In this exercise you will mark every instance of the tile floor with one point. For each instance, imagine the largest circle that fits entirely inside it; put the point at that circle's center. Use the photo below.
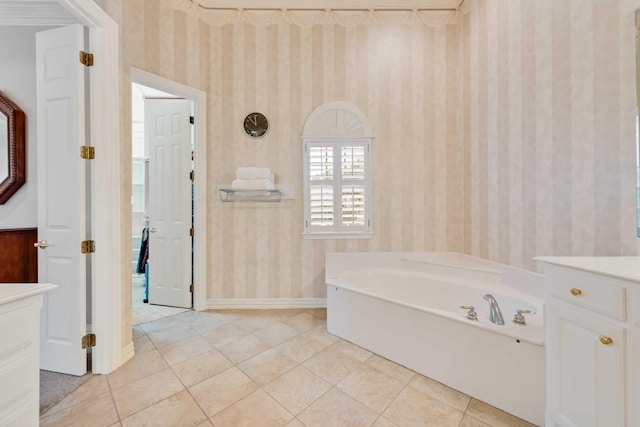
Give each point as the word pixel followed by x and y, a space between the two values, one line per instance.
pixel 262 368
pixel 142 312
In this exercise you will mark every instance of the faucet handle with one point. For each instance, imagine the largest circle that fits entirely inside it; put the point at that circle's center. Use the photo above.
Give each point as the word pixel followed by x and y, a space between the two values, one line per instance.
pixel 519 319
pixel 471 314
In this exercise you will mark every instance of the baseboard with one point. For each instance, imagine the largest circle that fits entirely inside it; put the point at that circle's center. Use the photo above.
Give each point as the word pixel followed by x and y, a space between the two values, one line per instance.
pixel 266 303
pixel 127 353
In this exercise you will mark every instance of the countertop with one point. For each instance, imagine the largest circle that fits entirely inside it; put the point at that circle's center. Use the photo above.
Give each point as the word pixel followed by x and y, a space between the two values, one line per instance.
pixel 10 292
pixel 621 267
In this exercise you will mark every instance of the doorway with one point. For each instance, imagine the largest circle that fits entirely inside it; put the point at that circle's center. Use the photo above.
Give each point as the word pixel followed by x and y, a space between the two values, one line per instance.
pixel 153 88
pixel 162 161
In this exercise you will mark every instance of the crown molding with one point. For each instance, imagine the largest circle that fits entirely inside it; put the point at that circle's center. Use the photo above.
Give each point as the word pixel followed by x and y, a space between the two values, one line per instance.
pixel 34 13
pixel 329 4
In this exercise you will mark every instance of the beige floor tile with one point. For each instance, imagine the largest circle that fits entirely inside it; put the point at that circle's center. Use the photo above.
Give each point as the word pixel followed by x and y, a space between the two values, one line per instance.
pixel 138 331
pixel 301 347
pixel 494 416
pixel 331 365
pixel 319 333
pixel 276 333
pixel 337 409
pixel 253 324
pixel 266 366
pixel 294 423
pixel 469 421
pixel 297 389
pixel 179 410
pixel 145 392
pixel 162 324
pixel 244 348
pixel 175 333
pixel 206 424
pixel 201 367
pixel 96 412
pixel 256 410
pixel 320 313
pixel 414 408
pixel 185 349
pixel 118 424
pixel 222 390
pixel 441 392
pixel 95 386
pixel 383 422
pixel 371 387
pixel 140 366
pixel 303 322
pixel 224 335
pixel 206 322
pixel 390 368
pixel 352 350
pixel 143 343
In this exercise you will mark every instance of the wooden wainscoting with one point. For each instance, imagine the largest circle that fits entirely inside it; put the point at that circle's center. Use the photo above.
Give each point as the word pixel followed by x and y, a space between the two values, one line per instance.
pixel 18 257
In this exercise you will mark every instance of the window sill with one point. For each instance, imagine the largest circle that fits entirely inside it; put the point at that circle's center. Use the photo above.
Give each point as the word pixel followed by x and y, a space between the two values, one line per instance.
pixel 312 236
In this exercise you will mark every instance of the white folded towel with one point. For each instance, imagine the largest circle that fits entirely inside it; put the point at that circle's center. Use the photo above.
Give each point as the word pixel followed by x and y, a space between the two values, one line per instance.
pixel 254 173
pixel 252 184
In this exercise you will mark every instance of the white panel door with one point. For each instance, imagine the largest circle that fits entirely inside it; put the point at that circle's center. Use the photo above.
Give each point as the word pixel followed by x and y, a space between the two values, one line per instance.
pixel 168 133
pixel 61 198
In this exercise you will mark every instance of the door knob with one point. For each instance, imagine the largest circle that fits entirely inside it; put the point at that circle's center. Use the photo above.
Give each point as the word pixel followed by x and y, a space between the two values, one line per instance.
pixel 42 244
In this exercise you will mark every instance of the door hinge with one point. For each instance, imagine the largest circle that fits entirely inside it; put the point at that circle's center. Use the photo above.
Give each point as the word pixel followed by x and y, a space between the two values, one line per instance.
pixel 191 288
pixel 86 58
pixel 192 175
pixel 87 246
pixel 87 152
pixel 192 119
pixel 191 232
pixel 89 340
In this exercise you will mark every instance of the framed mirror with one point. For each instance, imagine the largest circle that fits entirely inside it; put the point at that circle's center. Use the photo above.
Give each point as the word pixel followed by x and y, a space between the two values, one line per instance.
pixel 12 149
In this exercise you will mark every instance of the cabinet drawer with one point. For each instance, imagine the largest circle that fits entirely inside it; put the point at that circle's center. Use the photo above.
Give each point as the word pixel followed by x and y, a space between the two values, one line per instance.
pixel 602 294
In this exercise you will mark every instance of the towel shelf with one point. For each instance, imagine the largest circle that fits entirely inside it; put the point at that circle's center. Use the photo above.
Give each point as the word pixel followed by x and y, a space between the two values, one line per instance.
pixel 229 195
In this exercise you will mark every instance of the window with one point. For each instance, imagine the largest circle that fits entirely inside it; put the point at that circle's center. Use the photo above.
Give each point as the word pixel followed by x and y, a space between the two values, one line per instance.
pixel 336 173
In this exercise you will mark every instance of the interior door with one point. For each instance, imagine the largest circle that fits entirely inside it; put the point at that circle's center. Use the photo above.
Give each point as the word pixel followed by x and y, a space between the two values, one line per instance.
pixel 168 133
pixel 61 198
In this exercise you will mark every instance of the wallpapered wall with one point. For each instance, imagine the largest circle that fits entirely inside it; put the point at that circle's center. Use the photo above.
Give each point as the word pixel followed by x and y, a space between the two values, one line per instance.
pixel 405 79
pixel 549 128
pixel 508 135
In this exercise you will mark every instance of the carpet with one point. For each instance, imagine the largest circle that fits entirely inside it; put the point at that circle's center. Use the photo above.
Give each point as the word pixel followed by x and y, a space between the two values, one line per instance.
pixel 55 386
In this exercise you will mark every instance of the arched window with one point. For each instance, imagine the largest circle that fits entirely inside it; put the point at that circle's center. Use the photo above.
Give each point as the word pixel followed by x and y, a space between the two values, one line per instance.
pixel 337 194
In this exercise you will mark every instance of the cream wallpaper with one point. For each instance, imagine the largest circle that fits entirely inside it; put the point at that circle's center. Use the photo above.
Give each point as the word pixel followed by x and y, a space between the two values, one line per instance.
pixel 507 135
pixel 403 75
pixel 548 129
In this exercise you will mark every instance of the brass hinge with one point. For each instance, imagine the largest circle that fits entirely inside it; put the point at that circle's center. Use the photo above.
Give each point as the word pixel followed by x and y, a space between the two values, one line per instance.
pixel 86 58
pixel 192 175
pixel 87 246
pixel 87 152
pixel 191 288
pixel 191 232
pixel 89 340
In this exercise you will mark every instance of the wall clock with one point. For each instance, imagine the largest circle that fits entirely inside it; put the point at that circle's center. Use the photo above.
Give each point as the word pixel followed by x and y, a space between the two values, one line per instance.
pixel 256 125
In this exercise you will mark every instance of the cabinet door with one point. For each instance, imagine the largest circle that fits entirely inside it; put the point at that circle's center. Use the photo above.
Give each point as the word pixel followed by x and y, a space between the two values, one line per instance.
pixel 585 373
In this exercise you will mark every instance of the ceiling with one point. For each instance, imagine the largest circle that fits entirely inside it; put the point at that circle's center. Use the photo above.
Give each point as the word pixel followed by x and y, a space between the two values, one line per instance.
pixel 34 12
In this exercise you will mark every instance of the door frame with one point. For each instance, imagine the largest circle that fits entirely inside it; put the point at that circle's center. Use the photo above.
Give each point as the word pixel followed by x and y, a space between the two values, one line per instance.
pixel 199 98
pixel 107 314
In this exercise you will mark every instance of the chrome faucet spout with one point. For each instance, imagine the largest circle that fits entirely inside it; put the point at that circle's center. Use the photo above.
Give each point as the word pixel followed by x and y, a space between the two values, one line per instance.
pixel 495 315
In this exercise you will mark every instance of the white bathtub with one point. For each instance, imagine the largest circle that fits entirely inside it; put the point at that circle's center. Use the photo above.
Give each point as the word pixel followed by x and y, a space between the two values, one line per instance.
pixel 414 318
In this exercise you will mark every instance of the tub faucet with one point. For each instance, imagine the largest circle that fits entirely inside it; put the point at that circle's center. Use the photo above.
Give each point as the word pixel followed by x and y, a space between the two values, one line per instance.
pixel 494 310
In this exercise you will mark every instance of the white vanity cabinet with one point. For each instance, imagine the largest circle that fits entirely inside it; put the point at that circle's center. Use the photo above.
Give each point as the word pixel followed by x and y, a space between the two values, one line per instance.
pixel 19 353
pixel 592 333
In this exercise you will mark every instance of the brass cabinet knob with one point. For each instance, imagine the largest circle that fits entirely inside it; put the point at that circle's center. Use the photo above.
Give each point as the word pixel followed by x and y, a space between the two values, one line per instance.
pixel 576 292
pixel 606 340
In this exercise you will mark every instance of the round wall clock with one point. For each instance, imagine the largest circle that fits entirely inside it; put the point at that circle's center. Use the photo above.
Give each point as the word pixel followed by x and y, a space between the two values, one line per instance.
pixel 256 125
